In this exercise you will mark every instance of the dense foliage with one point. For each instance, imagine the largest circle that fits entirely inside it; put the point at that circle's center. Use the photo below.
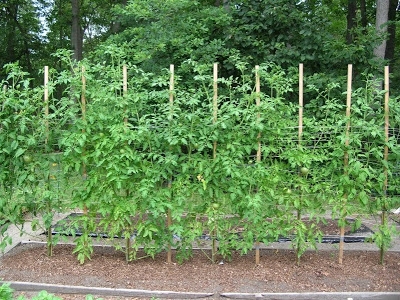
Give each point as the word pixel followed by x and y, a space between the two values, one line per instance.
pixel 132 159
pixel 324 35
pixel 255 32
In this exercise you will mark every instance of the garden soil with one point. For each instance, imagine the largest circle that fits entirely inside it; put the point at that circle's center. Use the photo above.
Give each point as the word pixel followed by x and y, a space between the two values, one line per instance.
pixel 318 271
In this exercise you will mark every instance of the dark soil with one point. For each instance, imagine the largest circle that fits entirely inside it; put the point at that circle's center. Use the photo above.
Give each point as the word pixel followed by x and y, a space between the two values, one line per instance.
pixel 277 272
pixel 319 271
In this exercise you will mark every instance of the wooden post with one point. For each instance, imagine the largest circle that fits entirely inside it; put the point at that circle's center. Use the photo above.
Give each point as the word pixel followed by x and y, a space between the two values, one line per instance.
pixel 46 101
pixel 300 136
pixel 125 89
pixel 385 155
pixel 301 76
pixel 171 106
pixel 171 89
pixel 386 150
pixel 215 103
pixel 83 108
pixel 46 121
pixel 124 95
pixel 258 103
pixel 346 157
pixel 258 157
pixel 83 94
pixel 215 114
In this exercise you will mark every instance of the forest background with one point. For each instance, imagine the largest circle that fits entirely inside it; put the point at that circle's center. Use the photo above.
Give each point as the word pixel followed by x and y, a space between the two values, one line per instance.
pixel 324 35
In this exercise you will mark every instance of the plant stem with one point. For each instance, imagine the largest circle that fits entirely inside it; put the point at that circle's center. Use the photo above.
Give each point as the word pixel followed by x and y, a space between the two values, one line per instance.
pixel 128 249
pixel 49 242
pixel 382 246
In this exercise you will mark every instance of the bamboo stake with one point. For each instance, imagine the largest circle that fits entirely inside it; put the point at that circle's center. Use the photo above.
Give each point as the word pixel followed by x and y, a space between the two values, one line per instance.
pixel 215 104
pixel 2 106
pixel 83 108
pixel 46 120
pixel 300 133
pixel 346 157
pixel 301 79
pixel 258 103
pixel 215 114
pixel 125 89
pixel 125 94
pixel 46 101
pixel 385 155
pixel 171 105
pixel 258 157
pixel 171 89
pixel 83 94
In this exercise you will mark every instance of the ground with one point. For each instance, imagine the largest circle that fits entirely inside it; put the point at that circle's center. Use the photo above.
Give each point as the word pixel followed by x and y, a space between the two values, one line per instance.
pixel 277 272
pixel 319 271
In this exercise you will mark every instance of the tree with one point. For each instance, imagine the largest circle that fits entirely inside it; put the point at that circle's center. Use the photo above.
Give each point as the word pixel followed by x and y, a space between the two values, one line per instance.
pixel 391 42
pixel 20 30
pixel 156 33
pixel 76 31
pixel 91 21
pixel 385 12
pixel 115 23
pixel 72 22
pixel 58 20
pixel 382 17
pixel 351 20
pixel 322 34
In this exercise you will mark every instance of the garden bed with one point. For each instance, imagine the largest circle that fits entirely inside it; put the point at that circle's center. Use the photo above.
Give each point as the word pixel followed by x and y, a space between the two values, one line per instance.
pixel 329 229
pixel 277 272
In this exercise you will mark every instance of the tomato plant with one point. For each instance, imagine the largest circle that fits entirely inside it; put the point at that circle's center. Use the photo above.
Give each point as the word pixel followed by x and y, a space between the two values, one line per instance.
pixel 167 168
pixel 24 157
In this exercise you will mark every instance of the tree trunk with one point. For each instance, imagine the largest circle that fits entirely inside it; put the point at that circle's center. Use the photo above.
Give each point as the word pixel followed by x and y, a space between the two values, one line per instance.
pixel 363 11
pixel 10 43
pixel 351 20
pixel 391 42
pixel 76 31
pixel 382 17
pixel 25 49
pixel 225 4
pixel 116 25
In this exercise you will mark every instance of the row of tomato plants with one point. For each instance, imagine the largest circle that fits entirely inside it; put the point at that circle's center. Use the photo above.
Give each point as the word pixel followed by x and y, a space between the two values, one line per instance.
pixel 162 174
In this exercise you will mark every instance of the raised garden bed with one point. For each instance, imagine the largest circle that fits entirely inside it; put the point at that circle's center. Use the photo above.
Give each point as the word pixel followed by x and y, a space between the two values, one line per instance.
pixel 277 272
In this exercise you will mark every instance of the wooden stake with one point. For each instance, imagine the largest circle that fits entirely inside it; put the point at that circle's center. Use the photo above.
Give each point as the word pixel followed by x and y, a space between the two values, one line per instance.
pixel 301 76
pixel 215 103
pixel 386 149
pixel 124 95
pixel 83 94
pixel 46 120
pixel 385 155
pixel 346 156
pixel 171 104
pixel 258 103
pixel 171 89
pixel 258 157
pixel 83 108
pixel 300 136
pixel 215 114
pixel 125 89
pixel 46 101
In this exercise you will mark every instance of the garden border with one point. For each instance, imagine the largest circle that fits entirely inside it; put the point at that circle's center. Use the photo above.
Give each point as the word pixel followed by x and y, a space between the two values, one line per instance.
pixel 67 289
